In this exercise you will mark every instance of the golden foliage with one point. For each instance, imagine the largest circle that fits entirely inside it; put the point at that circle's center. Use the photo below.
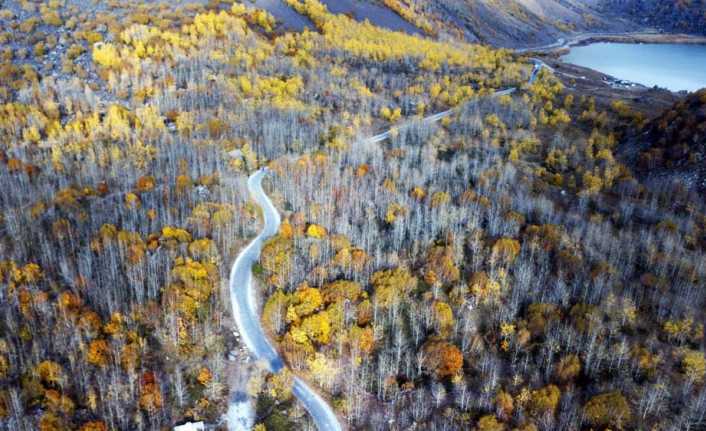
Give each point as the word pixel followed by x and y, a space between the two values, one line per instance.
pixel 130 356
pixel 390 115
pixel 504 404
pixel 392 285
pixel 94 426
pixel 538 315
pixel 175 234
pixel 406 11
pixel 394 211
pixel 506 250
pixel 50 373
pixel 443 317
pixel 440 260
pixel 490 423
pixel 51 422
pixel 317 327
pixel 568 367
pixel 341 290
pixel 275 258
pixel 418 193
pixel 98 353
pixel 694 365
pixel 4 410
pixel 274 309
pixel 106 55
pixel 305 301
pixel 368 41
pixel 323 369
pixel 150 393
pixel 4 366
pixel 609 409
pixel 585 317
pixel 681 329
pixel 439 199
pixel 204 376
pixel 316 231
pixel 90 322
pixel 195 282
pixel 58 402
pixel 115 325
pixel 286 230
pixel 280 385
pixel 362 339
pixel 132 201
pixel 483 287
pixel 203 249
pixel 544 400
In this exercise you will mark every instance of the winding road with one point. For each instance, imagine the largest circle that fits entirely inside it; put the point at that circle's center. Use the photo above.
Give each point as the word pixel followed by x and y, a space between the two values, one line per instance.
pixel 244 296
pixel 439 116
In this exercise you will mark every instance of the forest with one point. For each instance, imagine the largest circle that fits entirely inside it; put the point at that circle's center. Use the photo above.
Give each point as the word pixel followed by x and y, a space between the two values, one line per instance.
pixel 502 269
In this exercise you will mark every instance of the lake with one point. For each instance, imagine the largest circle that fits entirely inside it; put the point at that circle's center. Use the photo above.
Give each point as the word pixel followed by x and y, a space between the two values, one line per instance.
pixel 673 66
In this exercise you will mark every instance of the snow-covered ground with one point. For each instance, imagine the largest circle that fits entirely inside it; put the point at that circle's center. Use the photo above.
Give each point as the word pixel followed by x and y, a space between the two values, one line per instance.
pixel 191 426
pixel 241 414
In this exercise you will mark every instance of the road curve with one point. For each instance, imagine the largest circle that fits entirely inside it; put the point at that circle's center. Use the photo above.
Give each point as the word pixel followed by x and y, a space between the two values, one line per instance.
pixel 242 289
pixel 318 408
pixel 244 302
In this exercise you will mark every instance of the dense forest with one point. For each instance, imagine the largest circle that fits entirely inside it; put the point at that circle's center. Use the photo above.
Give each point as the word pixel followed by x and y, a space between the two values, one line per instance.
pixel 504 268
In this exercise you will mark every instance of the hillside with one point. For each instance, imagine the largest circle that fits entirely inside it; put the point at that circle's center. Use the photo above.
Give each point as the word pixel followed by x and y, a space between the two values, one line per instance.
pixel 510 23
pixel 669 15
pixel 672 147
pixel 519 23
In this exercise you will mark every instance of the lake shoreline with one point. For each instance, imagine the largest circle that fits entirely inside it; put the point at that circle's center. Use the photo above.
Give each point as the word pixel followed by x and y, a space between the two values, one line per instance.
pixel 640 38
pixel 562 45
pixel 674 66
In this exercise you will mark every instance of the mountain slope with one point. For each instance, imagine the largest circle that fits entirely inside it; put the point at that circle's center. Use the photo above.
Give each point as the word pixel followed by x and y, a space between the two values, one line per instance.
pixel 687 16
pixel 519 22
pixel 673 145
pixel 509 23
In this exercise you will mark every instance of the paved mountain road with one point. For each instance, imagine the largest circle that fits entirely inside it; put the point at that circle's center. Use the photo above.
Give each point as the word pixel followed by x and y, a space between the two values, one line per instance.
pixel 436 117
pixel 244 302
pixel 242 290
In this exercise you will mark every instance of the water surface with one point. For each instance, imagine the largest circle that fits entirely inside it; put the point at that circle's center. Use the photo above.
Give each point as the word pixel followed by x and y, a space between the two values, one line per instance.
pixel 673 66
